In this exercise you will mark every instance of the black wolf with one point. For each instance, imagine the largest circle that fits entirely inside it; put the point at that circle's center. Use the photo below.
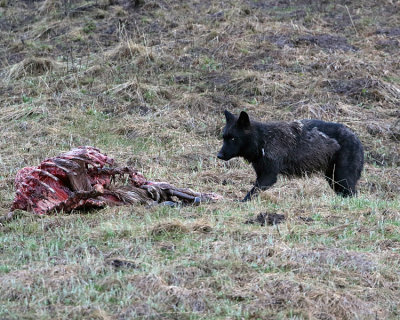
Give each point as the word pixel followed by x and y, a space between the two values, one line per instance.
pixel 294 149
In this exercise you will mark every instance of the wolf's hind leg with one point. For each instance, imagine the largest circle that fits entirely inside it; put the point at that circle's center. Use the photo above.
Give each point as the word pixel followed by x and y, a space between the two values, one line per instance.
pixel 342 180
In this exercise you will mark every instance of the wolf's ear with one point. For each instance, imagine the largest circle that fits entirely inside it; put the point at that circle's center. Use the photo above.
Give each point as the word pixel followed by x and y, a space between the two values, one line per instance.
pixel 244 120
pixel 229 116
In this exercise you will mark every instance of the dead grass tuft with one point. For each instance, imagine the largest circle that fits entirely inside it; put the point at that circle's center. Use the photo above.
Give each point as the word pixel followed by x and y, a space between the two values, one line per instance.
pixel 99 314
pixel 329 111
pixel 50 6
pixel 182 275
pixel 171 228
pixel 32 67
pixel 365 88
pixel 158 291
pixel 95 71
pixel 288 297
pixel 341 306
pixel 202 227
pixel 357 261
pixel 55 277
pixel 252 83
pixel 128 50
pixel 196 103
pixel 334 231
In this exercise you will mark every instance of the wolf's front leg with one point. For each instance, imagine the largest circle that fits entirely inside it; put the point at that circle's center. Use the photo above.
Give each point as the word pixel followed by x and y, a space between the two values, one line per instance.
pixel 252 193
pixel 262 183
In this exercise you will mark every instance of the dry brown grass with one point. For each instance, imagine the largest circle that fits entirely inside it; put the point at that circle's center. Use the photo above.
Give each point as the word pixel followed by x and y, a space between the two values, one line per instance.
pixel 48 6
pixel 148 85
pixel 128 50
pixel 32 67
pixel 169 228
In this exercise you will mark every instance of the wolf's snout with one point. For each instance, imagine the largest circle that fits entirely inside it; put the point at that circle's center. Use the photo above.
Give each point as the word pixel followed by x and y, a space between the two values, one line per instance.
pixel 220 155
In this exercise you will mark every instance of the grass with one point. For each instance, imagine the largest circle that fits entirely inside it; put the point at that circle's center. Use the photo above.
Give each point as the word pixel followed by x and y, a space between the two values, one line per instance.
pixel 148 85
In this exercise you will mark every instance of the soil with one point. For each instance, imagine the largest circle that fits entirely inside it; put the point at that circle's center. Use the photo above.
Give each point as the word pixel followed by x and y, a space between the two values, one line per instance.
pixel 326 41
pixel 356 89
pixel 266 218
pixel 119 263
pixel 392 32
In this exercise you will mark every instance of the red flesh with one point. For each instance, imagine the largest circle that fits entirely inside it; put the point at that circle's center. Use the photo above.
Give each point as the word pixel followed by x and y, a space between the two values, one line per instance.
pixel 84 177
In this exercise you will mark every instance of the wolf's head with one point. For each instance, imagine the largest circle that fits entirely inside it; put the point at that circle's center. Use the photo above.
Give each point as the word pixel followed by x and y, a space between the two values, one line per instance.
pixel 235 135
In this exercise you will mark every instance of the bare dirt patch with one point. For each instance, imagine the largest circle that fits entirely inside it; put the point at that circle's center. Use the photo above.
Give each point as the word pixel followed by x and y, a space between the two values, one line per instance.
pixel 326 41
pixel 120 263
pixel 389 45
pixel 364 89
pixel 268 219
pixel 392 32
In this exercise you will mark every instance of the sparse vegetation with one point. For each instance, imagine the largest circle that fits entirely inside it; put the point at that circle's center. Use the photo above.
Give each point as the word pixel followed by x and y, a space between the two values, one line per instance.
pixel 147 84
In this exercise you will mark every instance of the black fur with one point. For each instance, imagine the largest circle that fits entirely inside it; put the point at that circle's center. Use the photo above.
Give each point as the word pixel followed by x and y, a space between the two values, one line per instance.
pixel 294 149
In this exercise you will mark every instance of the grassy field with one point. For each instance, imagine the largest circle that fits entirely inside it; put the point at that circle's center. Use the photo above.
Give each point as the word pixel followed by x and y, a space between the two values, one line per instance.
pixel 148 84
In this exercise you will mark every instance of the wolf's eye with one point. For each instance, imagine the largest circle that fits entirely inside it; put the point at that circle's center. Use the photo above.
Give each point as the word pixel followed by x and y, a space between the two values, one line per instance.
pixel 232 139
